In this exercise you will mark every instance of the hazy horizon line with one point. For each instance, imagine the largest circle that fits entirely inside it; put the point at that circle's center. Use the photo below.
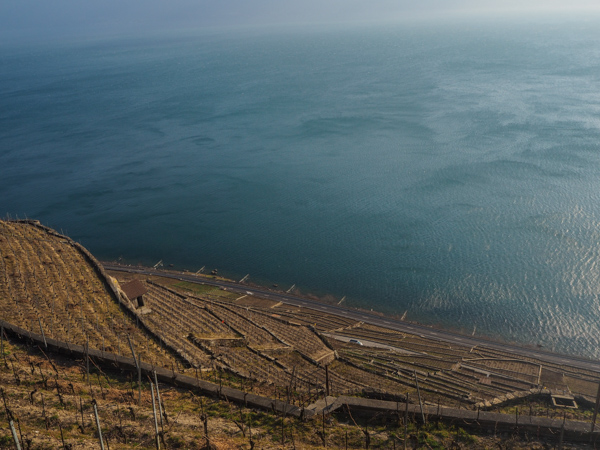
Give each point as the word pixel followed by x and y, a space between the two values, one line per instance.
pixel 414 19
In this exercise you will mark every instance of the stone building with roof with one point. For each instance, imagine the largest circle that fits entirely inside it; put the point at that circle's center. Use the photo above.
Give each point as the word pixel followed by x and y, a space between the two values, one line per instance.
pixel 135 291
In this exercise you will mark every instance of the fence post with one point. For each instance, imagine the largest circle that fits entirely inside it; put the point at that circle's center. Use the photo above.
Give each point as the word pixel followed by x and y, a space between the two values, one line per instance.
pixel 98 424
pixel 87 359
pixel 562 432
pixel 139 370
pixel 156 435
pixel 160 406
pixel 81 411
pixel 43 335
pixel 419 394
pixel 406 422
pixel 14 434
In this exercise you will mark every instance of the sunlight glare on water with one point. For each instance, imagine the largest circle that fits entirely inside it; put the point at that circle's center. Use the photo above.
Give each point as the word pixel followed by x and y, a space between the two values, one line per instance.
pixel 448 171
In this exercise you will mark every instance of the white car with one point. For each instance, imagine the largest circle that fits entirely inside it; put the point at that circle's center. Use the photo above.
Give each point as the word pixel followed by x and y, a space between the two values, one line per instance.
pixel 355 341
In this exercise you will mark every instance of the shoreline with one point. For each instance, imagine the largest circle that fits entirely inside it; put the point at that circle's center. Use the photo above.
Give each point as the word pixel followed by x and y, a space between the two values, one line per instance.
pixel 323 297
pixel 372 317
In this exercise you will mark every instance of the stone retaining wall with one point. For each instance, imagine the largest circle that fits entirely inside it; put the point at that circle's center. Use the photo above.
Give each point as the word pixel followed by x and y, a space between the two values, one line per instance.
pixel 533 425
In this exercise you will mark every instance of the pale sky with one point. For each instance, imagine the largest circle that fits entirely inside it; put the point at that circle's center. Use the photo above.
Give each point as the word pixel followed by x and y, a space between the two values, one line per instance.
pixel 47 18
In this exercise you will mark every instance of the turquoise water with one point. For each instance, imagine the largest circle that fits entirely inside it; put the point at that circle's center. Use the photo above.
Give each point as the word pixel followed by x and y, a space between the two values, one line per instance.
pixel 448 170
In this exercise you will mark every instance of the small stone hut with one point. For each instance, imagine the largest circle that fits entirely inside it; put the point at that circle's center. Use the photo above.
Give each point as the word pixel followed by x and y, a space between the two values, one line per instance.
pixel 135 291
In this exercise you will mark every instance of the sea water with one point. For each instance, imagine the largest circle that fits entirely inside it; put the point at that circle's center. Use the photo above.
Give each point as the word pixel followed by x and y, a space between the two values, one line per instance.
pixel 447 170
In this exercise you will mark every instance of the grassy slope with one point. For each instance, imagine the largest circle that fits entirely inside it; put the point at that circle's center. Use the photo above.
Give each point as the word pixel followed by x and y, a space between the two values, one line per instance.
pixel 29 381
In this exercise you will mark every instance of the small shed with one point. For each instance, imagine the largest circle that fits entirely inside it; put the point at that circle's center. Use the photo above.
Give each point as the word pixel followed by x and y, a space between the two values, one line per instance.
pixel 135 291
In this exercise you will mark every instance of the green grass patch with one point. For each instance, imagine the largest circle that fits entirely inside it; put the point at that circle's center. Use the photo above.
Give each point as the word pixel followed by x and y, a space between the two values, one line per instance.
pixel 429 441
pixel 204 289
pixel 465 437
pixel 199 288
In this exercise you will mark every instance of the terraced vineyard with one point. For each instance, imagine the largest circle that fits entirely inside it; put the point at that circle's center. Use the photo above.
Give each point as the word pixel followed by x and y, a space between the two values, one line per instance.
pixel 50 284
pixel 272 350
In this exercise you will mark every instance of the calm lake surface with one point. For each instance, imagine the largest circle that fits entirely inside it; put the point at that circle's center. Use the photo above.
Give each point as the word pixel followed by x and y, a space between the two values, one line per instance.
pixel 448 170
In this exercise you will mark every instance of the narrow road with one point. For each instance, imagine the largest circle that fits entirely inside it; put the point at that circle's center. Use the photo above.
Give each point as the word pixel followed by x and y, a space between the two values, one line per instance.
pixel 373 319
pixel 367 343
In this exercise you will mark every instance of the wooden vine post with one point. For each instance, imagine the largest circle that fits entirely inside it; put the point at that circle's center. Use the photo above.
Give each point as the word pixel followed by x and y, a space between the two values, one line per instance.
pixel 406 422
pixel 160 405
pixel 98 424
pixel 419 394
pixel 14 435
pixel 139 371
pixel 156 433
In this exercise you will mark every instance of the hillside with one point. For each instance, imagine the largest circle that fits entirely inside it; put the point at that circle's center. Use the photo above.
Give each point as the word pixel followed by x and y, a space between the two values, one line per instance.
pixel 49 282
pixel 53 289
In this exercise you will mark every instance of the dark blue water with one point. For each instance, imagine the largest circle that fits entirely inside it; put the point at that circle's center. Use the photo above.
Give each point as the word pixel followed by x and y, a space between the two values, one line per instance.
pixel 448 170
